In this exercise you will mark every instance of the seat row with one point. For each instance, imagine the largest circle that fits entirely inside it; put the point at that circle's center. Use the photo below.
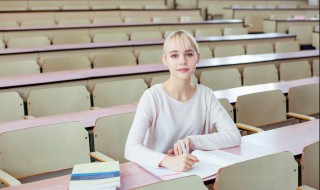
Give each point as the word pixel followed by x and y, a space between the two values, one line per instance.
pixel 127 57
pixel 57 100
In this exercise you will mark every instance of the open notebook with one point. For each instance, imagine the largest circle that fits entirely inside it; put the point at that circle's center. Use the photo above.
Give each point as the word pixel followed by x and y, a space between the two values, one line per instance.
pixel 210 163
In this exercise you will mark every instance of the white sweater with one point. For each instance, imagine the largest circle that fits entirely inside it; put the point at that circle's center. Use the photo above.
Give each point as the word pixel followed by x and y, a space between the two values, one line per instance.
pixel 161 120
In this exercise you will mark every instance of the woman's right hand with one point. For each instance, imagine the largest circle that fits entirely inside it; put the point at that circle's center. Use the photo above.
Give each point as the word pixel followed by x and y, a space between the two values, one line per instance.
pixel 180 163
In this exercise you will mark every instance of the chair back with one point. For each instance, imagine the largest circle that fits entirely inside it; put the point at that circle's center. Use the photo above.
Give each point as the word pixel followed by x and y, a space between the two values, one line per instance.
pixel 221 78
pixel 260 74
pixel 11 106
pixel 310 165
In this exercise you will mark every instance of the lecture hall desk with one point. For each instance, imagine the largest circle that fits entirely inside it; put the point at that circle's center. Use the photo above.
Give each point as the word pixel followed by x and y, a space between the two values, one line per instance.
pixel 282 25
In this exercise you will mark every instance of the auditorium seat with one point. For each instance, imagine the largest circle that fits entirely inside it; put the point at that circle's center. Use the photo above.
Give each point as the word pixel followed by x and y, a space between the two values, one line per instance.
pixel 289 46
pixel 74 22
pixel 8 24
pixel 259 173
pixel 186 183
pixel 114 59
pixel 304 100
pixel 2 45
pixel 260 74
pixel 75 7
pixel 287 6
pixel 227 106
pixel 65 63
pixel 228 50
pixel 155 7
pixel 70 38
pixel 303 33
pixel 28 42
pixel 208 32
pixel 315 67
pixel 165 19
pixel 220 79
pixel 110 37
pixel 150 57
pixel 265 6
pixel 294 70
pixel 119 92
pixel 259 48
pixel 38 23
pixel 137 20
pixel 146 35
pixel 205 52
pixel 310 167
pixel 254 23
pixel 107 21
pixel 58 100
pixel 11 108
pixel 110 135
pixel 30 154
pixel 191 19
pixel 234 31
pixel 11 68
pixel 131 7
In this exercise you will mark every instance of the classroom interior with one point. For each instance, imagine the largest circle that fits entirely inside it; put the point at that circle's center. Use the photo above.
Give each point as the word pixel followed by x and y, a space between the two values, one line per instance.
pixel 73 71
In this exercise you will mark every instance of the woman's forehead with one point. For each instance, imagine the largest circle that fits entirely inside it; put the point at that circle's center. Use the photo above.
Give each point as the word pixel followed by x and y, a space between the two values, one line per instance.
pixel 179 43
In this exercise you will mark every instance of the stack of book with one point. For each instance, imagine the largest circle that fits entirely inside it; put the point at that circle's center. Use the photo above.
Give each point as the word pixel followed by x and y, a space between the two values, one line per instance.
pixel 92 176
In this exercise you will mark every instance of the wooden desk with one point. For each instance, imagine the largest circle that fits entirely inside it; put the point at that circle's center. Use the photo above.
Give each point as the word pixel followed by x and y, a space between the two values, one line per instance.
pixel 89 77
pixel 241 13
pixel 252 146
pixel 282 25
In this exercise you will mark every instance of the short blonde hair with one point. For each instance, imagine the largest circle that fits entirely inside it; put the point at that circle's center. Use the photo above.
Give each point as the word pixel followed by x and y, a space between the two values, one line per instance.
pixel 181 36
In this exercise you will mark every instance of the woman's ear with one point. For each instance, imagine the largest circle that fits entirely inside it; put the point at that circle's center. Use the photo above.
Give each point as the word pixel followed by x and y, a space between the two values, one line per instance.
pixel 164 60
pixel 198 58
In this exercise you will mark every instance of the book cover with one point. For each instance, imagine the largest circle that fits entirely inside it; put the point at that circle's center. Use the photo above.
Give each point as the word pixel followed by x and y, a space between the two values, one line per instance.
pixel 99 175
pixel 210 163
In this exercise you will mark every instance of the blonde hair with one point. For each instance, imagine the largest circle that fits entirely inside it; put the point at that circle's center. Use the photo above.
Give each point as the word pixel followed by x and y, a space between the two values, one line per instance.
pixel 182 37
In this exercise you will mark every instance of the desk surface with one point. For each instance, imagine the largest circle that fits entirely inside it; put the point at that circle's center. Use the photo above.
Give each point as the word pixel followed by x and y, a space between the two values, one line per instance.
pixel 292 20
pixel 252 146
pixel 62 76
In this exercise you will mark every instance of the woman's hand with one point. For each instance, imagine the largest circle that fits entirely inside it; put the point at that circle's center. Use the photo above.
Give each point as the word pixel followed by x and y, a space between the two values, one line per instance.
pixel 177 149
pixel 181 163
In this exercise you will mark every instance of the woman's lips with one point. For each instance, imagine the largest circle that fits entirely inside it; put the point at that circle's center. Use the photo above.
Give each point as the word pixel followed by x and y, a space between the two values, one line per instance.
pixel 183 70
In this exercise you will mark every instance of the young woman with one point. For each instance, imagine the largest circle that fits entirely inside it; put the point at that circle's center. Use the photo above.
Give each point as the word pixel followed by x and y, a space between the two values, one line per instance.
pixel 177 110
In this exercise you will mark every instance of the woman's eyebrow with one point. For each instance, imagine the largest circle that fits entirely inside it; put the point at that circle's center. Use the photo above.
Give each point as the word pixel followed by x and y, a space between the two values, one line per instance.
pixel 174 51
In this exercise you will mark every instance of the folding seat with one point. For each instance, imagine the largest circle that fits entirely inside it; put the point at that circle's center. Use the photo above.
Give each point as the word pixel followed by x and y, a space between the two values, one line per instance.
pixel 287 6
pixel 150 57
pixel 220 79
pixel 2 45
pixel 71 39
pixel 120 92
pixel 11 108
pixel 191 19
pixel 8 24
pixel 28 42
pixel 294 70
pixel 110 37
pixel 75 7
pixel 107 21
pixel 260 74
pixel 74 22
pixel 114 59
pixel 147 35
pixel 303 33
pixel 155 7
pixel 227 106
pixel 11 68
pixel 265 6
pixel 37 23
pixel 254 23
pixel 315 67
pixel 137 20
pixel 229 50
pixel 205 52
pixel 234 31
pixel 165 19
pixel 287 46
pixel 65 63
pixel 131 7
pixel 58 100
pixel 208 32
pixel 259 48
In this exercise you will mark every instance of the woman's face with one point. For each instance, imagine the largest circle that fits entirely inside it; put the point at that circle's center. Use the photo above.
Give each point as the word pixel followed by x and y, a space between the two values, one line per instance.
pixel 181 58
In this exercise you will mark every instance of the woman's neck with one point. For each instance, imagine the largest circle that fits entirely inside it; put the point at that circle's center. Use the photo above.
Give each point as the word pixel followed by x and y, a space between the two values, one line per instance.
pixel 181 90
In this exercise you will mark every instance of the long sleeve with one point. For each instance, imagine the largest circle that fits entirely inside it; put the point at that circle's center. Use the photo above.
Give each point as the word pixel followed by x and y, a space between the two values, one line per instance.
pixel 135 149
pixel 226 135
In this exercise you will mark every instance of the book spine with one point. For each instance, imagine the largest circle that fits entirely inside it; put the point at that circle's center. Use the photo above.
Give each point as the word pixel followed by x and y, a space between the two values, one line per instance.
pixel 93 176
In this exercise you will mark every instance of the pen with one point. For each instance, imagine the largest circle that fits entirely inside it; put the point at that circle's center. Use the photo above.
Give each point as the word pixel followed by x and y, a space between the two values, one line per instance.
pixel 184 150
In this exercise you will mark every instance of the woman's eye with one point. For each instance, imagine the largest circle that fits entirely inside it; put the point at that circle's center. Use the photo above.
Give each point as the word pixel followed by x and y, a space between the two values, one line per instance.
pixel 173 56
pixel 190 54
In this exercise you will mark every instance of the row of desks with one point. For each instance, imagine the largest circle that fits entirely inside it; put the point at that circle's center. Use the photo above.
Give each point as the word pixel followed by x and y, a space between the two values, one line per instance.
pixel 290 138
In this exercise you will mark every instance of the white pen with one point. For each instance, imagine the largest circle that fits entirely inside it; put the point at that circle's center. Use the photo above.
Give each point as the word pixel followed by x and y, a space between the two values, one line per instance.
pixel 184 150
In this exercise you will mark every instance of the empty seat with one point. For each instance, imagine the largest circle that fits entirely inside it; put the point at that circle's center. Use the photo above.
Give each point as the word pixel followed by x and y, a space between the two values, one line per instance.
pixel 229 50
pixel 137 20
pixel 260 172
pixel 260 74
pixel 259 48
pixel 287 6
pixel 71 39
pixel 254 23
pixel 12 107
pixel 208 32
pixel 147 35
pixel 155 7
pixel 121 92
pixel 221 78
pixel 150 56
pixel 37 23
pixel 59 100
pixel 205 52
pixel 111 37
pixel 295 70
pixel 8 24
pixel 265 6
pixel 310 167
pixel 66 63
pixel 191 19
pixel 110 135
pixel 165 19
pixel 315 67
pixel 287 46
pixel 27 42
pixel 227 106
pixel 303 33
pixel 11 68
pixel 163 77
pixel 186 183
pixel 30 152
pixel 2 45
pixel 114 59
pixel 74 22
pixel 106 21
pixel 75 7
pixel 304 99
pixel 234 31
pixel 131 7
